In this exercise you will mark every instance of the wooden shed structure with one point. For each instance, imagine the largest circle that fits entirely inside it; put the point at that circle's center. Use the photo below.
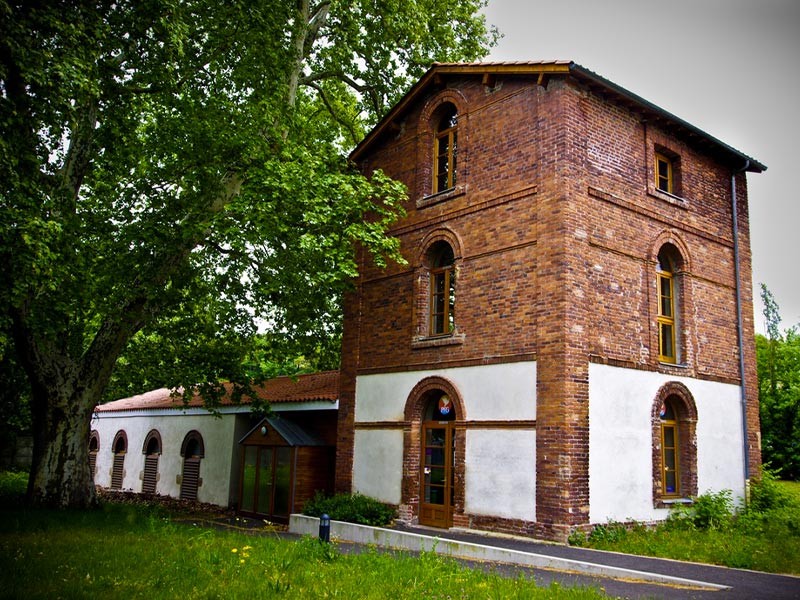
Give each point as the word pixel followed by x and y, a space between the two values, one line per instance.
pixel 283 466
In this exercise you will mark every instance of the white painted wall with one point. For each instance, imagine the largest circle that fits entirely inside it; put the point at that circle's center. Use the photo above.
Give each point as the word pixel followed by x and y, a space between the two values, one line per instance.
pixel 379 455
pixel 620 441
pixel 501 464
pixel 490 392
pixel 501 473
pixel 215 468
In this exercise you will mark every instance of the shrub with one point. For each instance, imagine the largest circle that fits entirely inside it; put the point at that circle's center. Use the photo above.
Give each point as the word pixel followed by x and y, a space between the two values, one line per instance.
pixel 13 486
pixel 355 508
pixel 610 533
pixel 709 511
pixel 767 493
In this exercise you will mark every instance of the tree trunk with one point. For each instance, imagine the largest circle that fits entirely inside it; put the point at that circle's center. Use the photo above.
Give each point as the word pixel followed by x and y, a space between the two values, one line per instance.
pixel 60 474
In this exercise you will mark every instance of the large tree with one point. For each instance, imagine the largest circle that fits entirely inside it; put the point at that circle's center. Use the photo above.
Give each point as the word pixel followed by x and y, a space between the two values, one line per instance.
pixel 175 168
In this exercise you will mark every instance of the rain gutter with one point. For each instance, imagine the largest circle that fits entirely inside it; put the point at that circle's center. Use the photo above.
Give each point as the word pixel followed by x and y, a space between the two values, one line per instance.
pixel 739 322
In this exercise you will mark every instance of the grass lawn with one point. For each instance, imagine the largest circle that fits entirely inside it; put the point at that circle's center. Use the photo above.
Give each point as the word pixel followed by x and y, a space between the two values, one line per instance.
pixel 132 551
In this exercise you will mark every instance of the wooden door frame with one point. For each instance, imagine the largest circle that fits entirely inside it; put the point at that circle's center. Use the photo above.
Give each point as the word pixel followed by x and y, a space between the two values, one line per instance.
pixel 449 467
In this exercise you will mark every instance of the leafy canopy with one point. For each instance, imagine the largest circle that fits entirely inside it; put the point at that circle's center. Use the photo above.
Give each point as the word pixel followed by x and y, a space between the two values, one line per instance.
pixel 172 169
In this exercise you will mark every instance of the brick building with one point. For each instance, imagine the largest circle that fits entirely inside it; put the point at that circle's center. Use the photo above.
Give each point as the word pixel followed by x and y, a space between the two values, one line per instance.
pixel 570 340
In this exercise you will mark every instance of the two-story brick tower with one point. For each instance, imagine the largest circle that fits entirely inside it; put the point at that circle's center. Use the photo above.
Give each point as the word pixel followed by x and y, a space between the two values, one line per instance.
pixel 571 340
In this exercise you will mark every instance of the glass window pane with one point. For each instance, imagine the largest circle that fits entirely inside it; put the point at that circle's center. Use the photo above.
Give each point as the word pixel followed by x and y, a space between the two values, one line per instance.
pixel 283 468
pixel 669 437
pixel 666 340
pixel 670 483
pixel 265 481
pixel 249 477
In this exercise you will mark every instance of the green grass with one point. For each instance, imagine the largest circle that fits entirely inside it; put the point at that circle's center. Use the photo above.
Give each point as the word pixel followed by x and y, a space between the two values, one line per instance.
pixel 765 539
pixel 137 551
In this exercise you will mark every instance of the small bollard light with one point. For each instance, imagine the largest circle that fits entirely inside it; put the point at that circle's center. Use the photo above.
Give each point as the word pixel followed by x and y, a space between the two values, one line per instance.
pixel 325 528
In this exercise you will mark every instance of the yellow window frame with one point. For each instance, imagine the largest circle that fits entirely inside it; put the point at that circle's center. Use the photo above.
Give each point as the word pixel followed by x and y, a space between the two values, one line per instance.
pixel 663 173
pixel 666 318
pixel 445 298
pixel 447 139
pixel 666 451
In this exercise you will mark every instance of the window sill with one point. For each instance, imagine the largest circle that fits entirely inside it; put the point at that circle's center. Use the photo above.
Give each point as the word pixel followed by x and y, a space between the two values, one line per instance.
pixel 669 365
pixel 454 339
pixel 667 197
pixel 453 192
pixel 673 502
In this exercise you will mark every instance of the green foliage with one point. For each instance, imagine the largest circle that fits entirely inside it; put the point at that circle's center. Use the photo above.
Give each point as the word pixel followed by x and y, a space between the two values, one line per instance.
pixel 764 536
pixel 12 487
pixel 173 175
pixel 89 554
pixel 351 508
pixel 610 533
pixel 778 357
pixel 768 493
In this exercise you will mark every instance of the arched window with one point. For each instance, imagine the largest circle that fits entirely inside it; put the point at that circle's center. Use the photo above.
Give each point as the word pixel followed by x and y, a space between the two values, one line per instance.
pixel 668 304
pixel 192 450
pixel 670 450
pixel 94 448
pixel 151 450
pixel 119 448
pixel 442 290
pixel 445 151
pixel 674 445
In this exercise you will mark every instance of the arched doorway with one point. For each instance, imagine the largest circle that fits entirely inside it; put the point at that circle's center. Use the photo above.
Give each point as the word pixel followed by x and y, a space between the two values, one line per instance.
pixel 437 463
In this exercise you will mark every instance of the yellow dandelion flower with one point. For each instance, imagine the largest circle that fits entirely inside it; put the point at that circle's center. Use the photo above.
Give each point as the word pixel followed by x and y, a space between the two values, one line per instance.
pixel 234 550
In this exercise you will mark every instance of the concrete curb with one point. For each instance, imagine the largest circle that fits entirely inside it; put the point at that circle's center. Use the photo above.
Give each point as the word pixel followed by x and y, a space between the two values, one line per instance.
pixel 414 542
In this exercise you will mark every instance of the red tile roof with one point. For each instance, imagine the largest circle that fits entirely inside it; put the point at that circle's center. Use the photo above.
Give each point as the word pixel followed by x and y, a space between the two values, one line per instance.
pixel 302 388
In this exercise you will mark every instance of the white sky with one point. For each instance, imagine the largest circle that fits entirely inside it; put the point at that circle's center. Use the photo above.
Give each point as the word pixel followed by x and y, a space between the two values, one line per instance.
pixel 729 67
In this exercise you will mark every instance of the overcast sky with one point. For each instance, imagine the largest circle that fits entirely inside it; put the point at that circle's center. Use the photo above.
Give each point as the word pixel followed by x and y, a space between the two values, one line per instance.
pixel 728 67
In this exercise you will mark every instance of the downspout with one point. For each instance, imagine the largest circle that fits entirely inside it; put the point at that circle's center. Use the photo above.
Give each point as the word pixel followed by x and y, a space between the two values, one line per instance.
pixel 740 327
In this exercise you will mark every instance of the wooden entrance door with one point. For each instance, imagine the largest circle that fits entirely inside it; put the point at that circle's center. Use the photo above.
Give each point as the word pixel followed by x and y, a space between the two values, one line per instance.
pixel 436 477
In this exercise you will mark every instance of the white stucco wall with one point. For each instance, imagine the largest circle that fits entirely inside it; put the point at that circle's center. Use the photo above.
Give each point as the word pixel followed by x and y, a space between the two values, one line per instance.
pixel 501 473
pixel 500 463
pixel 215 468
pixel 620 441
pixel 490 392
pixel 379 455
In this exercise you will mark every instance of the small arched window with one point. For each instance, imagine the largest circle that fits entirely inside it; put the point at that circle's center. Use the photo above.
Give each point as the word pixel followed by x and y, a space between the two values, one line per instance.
pixel 668 298
pixel 445 151
pixel 192 450
pixel 443 289
pixel 94 448
pixel 119 448
pixel 674 421
pixel 151 450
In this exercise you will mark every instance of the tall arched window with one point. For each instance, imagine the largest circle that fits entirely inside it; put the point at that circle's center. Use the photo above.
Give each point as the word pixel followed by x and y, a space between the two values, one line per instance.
pixel 445 151
pixel 668 298
pixel 94 448
pixel 674 445
pixel 443 289
pixel 151 450
pixel 192 451
pixel 670 450
pixel 119 448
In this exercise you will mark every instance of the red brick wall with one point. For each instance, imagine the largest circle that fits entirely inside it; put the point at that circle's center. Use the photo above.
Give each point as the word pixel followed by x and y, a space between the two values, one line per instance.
pixel 558 229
